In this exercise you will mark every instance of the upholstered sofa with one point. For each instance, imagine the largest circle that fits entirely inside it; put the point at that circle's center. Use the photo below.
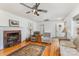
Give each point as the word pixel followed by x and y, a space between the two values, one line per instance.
pixel 69 48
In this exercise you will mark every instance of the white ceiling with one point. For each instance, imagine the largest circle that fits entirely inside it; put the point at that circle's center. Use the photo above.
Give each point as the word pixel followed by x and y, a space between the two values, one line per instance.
pixel 56 11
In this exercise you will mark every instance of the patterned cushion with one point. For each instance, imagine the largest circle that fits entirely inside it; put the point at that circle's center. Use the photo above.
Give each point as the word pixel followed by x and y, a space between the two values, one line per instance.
pixel 67 44
pixel 76 41
pixel 77 48
pixel 66 51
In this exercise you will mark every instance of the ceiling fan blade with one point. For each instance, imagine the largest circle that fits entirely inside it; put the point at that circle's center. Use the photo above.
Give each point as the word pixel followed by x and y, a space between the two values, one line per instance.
pixel 26 5
pixel 40 10
pixel 36 13
pixel 36 6
pixel 28 12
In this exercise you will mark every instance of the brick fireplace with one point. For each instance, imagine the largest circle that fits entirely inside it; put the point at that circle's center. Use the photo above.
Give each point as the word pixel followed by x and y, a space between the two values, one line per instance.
pixel 11 38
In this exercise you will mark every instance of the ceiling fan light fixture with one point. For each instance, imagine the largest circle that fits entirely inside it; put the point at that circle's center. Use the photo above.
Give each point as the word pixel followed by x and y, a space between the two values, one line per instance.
pixel 35 9
pixel 35 12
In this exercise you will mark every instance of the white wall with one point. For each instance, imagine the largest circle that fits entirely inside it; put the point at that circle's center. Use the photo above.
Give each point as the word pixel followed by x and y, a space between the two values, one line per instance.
pixel 50 27
pixel 4 21
pixel 71 25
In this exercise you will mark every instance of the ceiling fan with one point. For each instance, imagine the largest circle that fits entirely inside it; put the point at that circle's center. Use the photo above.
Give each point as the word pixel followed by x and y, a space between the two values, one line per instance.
pixel 35 9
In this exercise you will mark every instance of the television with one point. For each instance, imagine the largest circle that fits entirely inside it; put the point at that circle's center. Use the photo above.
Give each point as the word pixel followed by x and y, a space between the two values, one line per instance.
pixel 36 32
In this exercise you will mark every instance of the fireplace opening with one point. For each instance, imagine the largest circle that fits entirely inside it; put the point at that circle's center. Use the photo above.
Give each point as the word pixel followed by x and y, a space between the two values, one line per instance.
pixel 12 38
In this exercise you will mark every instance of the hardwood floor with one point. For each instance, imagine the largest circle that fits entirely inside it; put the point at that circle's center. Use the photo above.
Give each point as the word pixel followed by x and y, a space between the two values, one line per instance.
pixel 50 50
pixel 8 51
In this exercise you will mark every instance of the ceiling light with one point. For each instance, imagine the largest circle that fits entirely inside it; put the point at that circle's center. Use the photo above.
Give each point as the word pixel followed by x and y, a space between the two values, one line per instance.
pixel 59 18
pixel 46 20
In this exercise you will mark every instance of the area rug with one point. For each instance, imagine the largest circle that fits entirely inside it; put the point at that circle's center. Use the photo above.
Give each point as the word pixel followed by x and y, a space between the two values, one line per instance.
pixel 29 50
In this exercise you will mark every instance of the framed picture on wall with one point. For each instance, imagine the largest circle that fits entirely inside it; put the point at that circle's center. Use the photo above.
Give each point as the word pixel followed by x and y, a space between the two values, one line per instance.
pixel 13 23
pixel 60 27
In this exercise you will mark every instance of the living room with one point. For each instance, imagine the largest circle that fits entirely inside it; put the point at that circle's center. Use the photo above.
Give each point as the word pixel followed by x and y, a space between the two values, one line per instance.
pixel 51 29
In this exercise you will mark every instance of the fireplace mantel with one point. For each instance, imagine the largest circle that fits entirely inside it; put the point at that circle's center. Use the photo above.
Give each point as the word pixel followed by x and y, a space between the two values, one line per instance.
pixel 11 38
pixel 2 29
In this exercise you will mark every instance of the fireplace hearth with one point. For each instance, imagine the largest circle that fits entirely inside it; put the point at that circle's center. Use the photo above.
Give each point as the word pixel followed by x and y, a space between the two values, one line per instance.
pixel 11 38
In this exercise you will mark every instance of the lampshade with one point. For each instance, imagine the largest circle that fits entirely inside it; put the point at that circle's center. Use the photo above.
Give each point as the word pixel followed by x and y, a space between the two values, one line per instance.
pixel 65 29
